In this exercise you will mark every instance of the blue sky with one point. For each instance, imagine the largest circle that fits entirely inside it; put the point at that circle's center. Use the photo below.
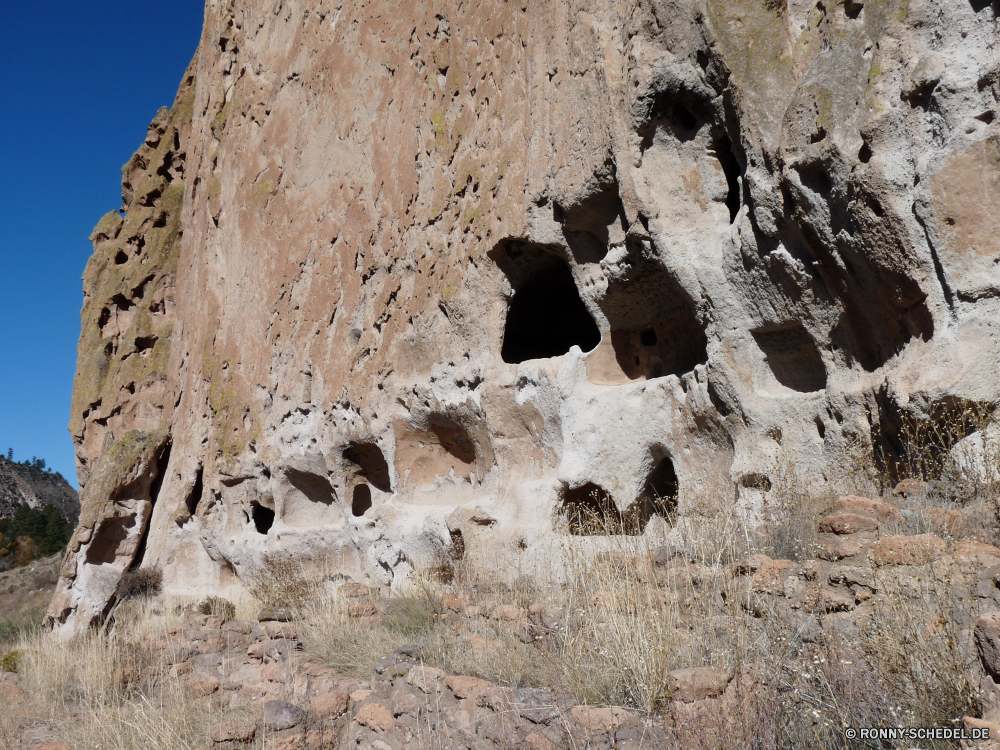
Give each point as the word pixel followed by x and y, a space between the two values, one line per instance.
pixel 79 82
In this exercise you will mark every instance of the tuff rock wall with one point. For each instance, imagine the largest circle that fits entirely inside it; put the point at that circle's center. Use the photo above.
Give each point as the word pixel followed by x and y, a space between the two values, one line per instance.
pixel 392 272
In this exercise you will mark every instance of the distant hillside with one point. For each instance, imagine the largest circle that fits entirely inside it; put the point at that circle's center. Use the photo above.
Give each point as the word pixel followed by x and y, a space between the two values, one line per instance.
pixel 36 487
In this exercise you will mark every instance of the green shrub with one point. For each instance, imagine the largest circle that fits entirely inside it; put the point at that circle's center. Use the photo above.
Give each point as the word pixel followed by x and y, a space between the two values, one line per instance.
pixel 9 661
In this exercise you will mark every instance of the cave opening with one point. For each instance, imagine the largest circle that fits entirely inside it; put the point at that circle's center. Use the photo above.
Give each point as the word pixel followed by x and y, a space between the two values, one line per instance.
pixel 370 463
pixel 361 500
pixel 589 510
pixel 194 496
pixel 263 518
pixel 792 356
pixel 723 147
pixel 546 317
pixel 658 497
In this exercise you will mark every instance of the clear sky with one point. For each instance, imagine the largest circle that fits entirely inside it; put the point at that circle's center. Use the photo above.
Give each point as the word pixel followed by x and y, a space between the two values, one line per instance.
pixel 79 82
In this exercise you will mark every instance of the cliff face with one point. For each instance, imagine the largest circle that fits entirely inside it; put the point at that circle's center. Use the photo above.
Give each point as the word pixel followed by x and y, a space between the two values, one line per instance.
pixel 390 272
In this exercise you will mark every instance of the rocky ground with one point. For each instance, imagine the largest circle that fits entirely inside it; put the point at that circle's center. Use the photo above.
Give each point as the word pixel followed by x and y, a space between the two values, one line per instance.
pixel 893 620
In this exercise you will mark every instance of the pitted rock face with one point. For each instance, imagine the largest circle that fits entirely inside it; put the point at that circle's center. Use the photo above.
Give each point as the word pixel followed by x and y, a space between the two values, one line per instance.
pixel 489 255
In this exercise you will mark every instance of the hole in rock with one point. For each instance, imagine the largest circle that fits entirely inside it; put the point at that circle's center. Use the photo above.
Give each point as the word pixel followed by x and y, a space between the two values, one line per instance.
pixel 546 317
pixel 792 356
pixel 109 537
pixel 820 428
pixel 120 258
pixel 121 302
pixel 310 501
pixel 263 518
pixel 145 343
pixel 104 318
pixel 865 153
pixel 853 9
pixel 986 117
pixel 654 325
pixel 723 147
pixel 194 496
pixel 589 510
pixel 361 500
pixel 453 438
pixel 370 463
pixel 658 497
pixel 756 481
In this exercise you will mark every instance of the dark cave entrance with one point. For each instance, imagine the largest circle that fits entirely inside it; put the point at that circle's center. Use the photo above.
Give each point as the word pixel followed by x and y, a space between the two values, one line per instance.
pixel 361 500
pixel 263 518
pixel 546 317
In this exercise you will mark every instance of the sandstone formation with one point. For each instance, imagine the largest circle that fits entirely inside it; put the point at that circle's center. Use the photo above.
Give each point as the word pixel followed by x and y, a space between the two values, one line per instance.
pixel 393 278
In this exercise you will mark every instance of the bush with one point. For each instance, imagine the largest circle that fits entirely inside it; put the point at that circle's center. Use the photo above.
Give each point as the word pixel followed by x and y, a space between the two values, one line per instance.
pixel 141 582
pixel 9 661
pixel 218 607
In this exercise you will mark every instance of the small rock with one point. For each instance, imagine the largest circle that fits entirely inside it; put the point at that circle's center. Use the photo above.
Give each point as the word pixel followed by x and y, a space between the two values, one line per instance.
pixel 751 565
pixel 509 613
pixel 852 576
pixel 280 715
pixel 835 548
pixel 697 683
pixel 537 742
pixel 274 615
pixel 835 601
pixel 375 716
pixel 882 510
pixel 987 636
pixel 847 523
pixel 354 591
pixel 906 550
pixel 427 679
pixel 202 688
pixel 467 687
pixel 330 705
pixel 233 731
pixel 769 578
pixel 600 719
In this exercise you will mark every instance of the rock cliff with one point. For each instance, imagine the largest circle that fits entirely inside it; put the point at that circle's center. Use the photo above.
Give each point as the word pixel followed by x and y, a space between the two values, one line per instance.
pixel 393 278
pixel 35 488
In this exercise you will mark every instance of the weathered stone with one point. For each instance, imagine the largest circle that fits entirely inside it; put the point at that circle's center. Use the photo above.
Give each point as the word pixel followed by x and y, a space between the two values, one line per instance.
pixel 906 550
pixel 987 635
pixel 847 523
pixel 697 683
pixel 280 715
pixel 238 731
pixel 330 705
pixel 880 509
pixel 600 719
pixel 434 285
pixel 375 716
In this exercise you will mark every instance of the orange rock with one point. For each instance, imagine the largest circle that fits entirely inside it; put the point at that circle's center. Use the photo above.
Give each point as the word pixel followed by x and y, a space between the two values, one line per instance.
pixel 906 550
pixel 882 510
pixel 600 719
pixel 239 731
pixel 847 523
pixel 769 577
pixel 467 687
pixel 330 705
pixel 375 716
pixel 201 688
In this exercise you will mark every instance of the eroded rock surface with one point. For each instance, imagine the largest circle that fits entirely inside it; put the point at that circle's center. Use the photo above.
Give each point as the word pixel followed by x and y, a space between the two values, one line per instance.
pixel 382 266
